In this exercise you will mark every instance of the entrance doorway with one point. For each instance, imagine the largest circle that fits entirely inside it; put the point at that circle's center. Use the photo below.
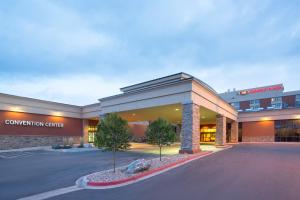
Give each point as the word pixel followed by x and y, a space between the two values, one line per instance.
pixel 208 133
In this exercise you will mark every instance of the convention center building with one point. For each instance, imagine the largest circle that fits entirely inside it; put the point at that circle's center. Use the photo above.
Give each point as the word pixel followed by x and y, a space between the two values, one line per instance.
pixel 198 113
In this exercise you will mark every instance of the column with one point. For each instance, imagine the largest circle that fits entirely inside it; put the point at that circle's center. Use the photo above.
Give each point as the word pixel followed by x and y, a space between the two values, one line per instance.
pixel 234 134
pixel 190 140
pixel 221 130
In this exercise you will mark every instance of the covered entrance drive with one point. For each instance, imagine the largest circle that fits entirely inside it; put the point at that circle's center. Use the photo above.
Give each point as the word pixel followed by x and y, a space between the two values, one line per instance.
pixel 185 101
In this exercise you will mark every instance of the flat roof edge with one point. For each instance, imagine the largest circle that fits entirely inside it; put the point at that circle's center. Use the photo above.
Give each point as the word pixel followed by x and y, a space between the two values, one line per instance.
pixel 156 81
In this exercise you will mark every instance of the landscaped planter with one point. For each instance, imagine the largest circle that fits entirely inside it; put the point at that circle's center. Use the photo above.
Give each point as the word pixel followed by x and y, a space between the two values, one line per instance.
pixel 109 178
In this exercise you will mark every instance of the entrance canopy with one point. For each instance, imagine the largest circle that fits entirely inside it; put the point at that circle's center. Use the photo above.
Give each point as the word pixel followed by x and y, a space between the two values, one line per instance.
pixel 179 98
pixel 177 89
pixel 172 113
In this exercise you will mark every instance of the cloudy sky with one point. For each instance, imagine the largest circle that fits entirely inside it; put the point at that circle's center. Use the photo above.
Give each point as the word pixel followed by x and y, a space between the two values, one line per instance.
pixel 76 51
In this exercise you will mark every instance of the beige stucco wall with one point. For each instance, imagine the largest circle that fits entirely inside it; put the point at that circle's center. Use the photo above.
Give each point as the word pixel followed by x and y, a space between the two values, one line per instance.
pixel 291 113
pixel 165 95
pixel 207 99
pixel 35 106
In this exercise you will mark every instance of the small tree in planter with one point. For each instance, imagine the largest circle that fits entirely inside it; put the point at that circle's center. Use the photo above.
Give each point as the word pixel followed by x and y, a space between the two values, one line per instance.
pixel 112 134
pixel 160 132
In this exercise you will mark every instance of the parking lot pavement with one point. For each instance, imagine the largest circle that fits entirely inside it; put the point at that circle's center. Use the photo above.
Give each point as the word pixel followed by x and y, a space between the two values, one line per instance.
pixel 246 171
pixel 9 155
pixel 30 172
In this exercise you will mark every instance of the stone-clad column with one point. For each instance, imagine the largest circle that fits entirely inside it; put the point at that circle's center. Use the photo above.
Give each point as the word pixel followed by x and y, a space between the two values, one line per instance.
pixel 221 130
pixel 190 141
pixel 234 134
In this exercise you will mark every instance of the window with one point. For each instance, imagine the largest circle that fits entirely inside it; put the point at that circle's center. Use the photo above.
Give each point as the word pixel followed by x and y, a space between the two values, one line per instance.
pixel 287 131
pixel 255 104
pixel 298 100
pixel 208 134
pixel 276 102
pixel 236 105
pixel 240 131
pixel 91 133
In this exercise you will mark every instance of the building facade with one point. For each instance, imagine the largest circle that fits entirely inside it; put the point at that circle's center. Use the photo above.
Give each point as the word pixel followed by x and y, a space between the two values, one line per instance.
pixel 197 112
pixel 267 113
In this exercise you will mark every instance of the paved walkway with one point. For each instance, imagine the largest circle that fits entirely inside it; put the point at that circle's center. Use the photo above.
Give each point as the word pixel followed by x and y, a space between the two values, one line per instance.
pixel 167 150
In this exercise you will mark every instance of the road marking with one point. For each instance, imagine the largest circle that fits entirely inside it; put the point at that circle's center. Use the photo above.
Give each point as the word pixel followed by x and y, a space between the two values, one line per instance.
pixel 11 155
pixel 52 193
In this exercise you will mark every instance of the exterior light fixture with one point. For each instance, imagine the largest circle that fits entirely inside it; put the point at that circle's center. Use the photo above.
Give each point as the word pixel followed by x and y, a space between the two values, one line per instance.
pixel 57 114
pixel 265 119
pixel 177 109
pixel 16 109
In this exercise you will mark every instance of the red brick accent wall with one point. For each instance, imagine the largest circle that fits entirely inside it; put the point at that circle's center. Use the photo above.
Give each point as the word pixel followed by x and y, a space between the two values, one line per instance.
pixel 138 130
pixel 265 103
pixel 93 122
pixel 262 131
pixel 244 105
pixel 290 100
pixel 72 126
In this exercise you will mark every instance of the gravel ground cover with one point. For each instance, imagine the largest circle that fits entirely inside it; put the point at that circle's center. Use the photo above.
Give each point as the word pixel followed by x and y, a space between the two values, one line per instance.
pixel 110 176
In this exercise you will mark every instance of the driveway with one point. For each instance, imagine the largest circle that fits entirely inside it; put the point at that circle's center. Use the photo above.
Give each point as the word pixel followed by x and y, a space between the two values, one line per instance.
pixel 27 173
pixel 246 171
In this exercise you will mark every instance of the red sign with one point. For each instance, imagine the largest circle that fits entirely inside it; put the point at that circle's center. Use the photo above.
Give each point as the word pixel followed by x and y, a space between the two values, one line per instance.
pixel 260 90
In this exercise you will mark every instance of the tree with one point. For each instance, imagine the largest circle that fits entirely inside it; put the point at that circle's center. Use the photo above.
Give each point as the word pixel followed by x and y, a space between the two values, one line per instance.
pixel 112 134
pixel 160 132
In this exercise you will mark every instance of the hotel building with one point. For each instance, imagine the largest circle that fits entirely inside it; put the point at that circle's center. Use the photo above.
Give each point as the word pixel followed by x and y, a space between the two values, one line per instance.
pixel 197 111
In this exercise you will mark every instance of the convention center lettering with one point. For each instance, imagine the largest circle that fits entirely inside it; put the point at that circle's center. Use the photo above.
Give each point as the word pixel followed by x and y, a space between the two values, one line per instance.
pixel 33 123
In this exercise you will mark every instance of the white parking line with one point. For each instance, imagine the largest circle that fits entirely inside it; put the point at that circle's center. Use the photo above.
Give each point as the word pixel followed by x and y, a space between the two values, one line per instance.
pixel 12 155
pixel 52 193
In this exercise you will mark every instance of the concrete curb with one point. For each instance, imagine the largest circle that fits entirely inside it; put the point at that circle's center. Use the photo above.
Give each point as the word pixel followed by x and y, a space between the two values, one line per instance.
pixel 295 143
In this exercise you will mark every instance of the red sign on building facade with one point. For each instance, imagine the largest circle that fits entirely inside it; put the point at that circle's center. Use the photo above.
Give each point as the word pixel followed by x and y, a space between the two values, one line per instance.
pixel 260 90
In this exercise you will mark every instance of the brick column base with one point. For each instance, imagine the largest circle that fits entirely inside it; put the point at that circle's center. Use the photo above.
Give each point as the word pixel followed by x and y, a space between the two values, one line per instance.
pixel 186 151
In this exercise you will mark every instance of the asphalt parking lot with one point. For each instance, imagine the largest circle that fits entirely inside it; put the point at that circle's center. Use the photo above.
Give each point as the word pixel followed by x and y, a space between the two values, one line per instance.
pixel 246 171
pixel 27 173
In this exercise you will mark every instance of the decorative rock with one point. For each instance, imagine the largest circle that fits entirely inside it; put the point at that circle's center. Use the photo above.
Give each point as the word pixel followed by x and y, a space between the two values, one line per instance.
pixel 138 166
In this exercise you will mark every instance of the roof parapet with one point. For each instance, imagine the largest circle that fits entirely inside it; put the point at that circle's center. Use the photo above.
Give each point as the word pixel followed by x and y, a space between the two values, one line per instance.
pixel 163 81
pixel 155 82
